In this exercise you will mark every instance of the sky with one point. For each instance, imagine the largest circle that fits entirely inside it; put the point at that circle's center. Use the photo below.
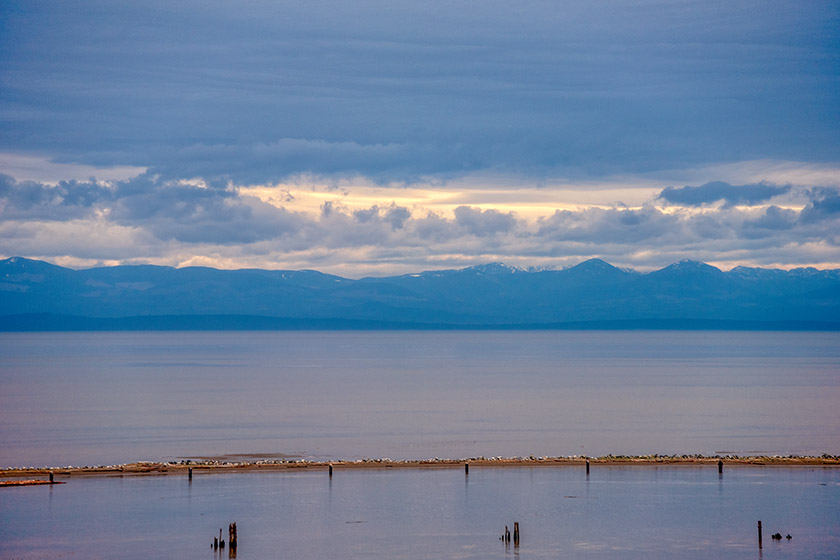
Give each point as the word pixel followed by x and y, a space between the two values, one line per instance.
pixel 371 138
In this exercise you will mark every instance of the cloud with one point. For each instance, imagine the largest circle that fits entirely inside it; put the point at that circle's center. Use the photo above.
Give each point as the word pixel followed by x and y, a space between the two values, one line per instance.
pixel 42 169
pixel 35 200
pixel 150 219
pixel 824 205
pixel 245 163
pixel 614 225
pixel 169 210
pixel 484 222
pixel 198 213
pixel 718 191
pixel 774 218
pixel 394 215
pixel 256 91
pixel 197 119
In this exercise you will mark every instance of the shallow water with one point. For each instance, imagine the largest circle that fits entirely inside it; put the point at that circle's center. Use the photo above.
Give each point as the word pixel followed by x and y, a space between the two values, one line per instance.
pixel 105 398
pixel 616 512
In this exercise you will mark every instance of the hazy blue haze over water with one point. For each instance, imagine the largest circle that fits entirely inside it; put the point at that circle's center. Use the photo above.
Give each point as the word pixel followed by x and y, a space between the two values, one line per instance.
pixel 104 398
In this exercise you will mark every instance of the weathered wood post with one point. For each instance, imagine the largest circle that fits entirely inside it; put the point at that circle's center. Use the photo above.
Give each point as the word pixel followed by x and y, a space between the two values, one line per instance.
pixel 215 543
pixel 466 468
pixel 232 536
pixel 587 467
pixel 759 534
pixel 221 542
pixel 330 470
pixel 52 480
pixel 720 466
pixel 190 473
pixel 507 534
pixel 516 533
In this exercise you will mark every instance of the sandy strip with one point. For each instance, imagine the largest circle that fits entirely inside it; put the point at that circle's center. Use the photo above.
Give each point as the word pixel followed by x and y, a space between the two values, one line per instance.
pixel 4 483
pixel 210 465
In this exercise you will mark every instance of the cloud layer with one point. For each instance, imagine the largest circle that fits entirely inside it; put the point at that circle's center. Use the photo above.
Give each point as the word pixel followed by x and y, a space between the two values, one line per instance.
pixel 718 191
pixel 239 133
pixel 179 221
pixel 255 91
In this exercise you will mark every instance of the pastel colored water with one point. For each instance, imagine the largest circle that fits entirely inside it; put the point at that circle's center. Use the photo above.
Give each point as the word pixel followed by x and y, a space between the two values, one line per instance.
pixel 105 398
pixel 617 513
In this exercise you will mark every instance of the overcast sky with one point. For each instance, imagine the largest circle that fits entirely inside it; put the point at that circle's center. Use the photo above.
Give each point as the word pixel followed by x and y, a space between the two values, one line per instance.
pixel 372 138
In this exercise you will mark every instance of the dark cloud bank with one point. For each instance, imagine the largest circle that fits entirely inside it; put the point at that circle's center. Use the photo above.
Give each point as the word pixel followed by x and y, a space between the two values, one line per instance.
pixel 719 191
pixel 254 91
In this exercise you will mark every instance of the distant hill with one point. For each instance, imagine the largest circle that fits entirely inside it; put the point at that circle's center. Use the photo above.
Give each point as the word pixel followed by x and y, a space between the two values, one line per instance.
pixel 35 295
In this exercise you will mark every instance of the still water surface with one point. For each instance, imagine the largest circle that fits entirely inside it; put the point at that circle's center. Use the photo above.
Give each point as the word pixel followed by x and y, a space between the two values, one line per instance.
pixel 615 513
pixel 105 398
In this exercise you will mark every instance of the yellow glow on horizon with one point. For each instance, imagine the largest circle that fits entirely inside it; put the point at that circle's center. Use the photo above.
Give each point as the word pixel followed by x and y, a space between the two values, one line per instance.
pixel 527 202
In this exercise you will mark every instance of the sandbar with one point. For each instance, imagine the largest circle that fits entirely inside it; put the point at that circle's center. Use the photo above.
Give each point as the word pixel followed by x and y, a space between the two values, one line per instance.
pixel 257 463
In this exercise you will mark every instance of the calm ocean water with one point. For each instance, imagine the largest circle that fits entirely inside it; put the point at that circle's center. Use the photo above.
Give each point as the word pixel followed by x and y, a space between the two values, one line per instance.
pixel 105 398
pixel 617 513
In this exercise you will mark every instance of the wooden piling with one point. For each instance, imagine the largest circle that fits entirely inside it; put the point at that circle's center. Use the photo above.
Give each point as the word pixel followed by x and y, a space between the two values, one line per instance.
pixel 52 479
pixel 759 534
pixel 720 466
pixel 330 470
pixel 215 543
pixel 587 467
pixel 232 536
pixel 516 533
pixel 190 473
pixel 507 534
pixel 221 542
pixel 466 468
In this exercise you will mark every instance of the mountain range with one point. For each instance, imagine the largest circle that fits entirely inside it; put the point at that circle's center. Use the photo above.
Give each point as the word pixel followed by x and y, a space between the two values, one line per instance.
pixel 35 295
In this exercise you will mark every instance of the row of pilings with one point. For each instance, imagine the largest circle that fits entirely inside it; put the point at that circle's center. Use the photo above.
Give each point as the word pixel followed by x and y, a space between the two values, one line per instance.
pixel 219 542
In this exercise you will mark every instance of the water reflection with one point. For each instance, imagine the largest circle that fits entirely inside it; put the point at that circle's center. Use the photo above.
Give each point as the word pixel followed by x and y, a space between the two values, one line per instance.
pixel 619 512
